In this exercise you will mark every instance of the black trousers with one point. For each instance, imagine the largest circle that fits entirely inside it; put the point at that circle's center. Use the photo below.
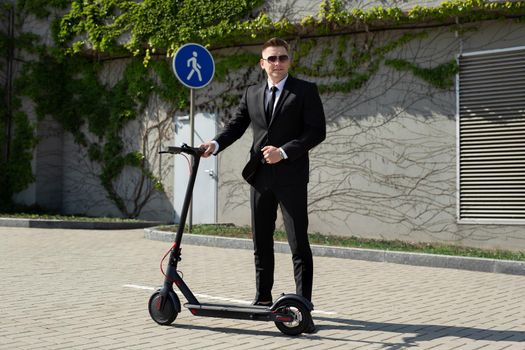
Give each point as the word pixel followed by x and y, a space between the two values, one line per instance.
pixel 265 198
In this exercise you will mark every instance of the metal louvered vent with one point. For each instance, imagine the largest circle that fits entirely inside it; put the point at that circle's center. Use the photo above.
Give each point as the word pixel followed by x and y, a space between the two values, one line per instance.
pixel 491 122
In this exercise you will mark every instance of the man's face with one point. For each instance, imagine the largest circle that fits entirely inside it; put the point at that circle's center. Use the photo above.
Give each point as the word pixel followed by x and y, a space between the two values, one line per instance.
pixel 277 69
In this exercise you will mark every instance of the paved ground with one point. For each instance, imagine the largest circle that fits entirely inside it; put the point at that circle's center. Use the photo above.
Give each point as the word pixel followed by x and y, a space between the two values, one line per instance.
pixel 76 289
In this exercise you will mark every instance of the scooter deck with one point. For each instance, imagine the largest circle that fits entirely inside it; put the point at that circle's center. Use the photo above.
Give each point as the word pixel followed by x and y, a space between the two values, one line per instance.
pixel 259 313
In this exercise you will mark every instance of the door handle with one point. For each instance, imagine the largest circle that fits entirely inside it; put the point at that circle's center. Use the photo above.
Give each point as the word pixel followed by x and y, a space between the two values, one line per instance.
pixel 210 172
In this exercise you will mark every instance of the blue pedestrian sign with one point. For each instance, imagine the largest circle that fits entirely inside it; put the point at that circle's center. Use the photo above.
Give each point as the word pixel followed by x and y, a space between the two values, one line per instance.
pixel 193 65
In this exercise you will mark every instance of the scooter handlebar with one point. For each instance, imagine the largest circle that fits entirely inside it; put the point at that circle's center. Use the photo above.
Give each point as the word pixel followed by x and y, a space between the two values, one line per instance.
pixel 184 148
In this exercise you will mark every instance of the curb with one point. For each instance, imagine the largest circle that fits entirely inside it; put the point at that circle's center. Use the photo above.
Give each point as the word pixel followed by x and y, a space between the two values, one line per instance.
pixel 416 259
pixel 76 225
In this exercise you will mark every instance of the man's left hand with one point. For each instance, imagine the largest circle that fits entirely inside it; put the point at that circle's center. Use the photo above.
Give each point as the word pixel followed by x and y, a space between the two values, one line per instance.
pixel 271 154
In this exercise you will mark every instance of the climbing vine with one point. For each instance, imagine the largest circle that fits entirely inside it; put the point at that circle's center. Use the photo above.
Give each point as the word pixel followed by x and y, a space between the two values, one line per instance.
pixel 70 91
pixel 163 25
pixel 149 25
pixel 440 76
pixel 17 139
pixel 64 80
pixel 349 59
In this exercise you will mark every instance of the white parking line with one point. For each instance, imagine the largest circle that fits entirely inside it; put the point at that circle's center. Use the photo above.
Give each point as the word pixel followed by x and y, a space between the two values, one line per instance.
pixel 136 286
pixel 211 297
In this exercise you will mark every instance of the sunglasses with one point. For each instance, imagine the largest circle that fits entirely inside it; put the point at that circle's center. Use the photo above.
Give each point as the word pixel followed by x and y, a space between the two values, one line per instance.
pixel 273 59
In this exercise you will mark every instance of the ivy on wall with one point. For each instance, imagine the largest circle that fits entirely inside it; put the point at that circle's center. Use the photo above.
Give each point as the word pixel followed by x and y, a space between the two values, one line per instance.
pixel 148 25
pixel 349 60
pixel 17 136
pixel 441 76
pixel 70 91
pixel 64 82
pixel 165 24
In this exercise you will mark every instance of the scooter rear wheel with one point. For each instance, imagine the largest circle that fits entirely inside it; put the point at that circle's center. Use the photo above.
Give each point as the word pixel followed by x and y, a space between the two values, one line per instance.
pixel 162 310
pixel 301 317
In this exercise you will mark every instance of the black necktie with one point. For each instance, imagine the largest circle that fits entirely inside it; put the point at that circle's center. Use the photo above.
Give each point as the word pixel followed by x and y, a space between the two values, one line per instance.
pixel 269 110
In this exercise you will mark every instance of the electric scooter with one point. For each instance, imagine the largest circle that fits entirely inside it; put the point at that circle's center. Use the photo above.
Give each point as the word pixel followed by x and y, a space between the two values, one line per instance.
pixel 290 312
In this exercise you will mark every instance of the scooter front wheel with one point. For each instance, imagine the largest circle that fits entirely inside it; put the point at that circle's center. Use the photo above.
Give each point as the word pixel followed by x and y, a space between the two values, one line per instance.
pixel 162 309
pixel 301 317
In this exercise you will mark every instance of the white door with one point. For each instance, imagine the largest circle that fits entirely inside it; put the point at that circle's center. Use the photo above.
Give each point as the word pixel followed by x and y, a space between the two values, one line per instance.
pixel 205 190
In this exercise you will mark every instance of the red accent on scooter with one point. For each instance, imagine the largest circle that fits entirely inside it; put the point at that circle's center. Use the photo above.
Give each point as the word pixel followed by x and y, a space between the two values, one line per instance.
pixel 284 318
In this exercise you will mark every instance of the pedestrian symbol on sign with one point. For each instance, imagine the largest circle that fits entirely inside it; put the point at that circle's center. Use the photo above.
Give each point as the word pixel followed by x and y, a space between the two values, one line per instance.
pixel 196 67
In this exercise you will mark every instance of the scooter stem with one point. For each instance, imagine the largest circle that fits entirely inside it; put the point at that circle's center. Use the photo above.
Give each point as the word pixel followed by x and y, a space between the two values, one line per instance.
pixel 187 200
pixel 175 254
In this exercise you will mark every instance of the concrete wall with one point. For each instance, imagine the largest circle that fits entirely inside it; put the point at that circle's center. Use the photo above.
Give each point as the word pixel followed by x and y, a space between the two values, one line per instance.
pixel 387 169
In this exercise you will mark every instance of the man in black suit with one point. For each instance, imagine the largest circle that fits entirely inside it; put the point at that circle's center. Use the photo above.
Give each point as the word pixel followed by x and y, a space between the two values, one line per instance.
pixel 287 121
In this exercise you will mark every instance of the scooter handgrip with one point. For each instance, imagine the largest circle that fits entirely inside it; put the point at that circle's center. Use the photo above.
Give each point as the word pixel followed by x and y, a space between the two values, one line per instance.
pixel 184 149
pixel 174 150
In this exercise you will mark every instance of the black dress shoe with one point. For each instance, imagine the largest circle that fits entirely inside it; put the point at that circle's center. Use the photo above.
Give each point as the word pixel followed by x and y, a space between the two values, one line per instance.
pixel 262 303
pixel 311 329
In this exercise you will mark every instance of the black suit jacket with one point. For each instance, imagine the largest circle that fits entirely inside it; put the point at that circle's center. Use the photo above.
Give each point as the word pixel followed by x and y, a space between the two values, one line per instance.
pixel 298 125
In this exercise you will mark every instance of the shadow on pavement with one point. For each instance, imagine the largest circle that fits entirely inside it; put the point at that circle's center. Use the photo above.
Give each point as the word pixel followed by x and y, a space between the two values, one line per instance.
pixel 416 333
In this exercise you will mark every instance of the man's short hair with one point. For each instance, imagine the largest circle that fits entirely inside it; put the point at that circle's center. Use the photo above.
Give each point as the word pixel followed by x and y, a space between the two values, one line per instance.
pixel 276 42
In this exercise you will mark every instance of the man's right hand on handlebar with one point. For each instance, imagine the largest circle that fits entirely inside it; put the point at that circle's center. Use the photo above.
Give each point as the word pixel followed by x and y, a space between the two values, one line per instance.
pixel 209 149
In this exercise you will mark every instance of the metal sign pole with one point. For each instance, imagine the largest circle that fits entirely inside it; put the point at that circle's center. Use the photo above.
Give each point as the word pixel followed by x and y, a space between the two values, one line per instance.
pixel 192 140
pixel 193 65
